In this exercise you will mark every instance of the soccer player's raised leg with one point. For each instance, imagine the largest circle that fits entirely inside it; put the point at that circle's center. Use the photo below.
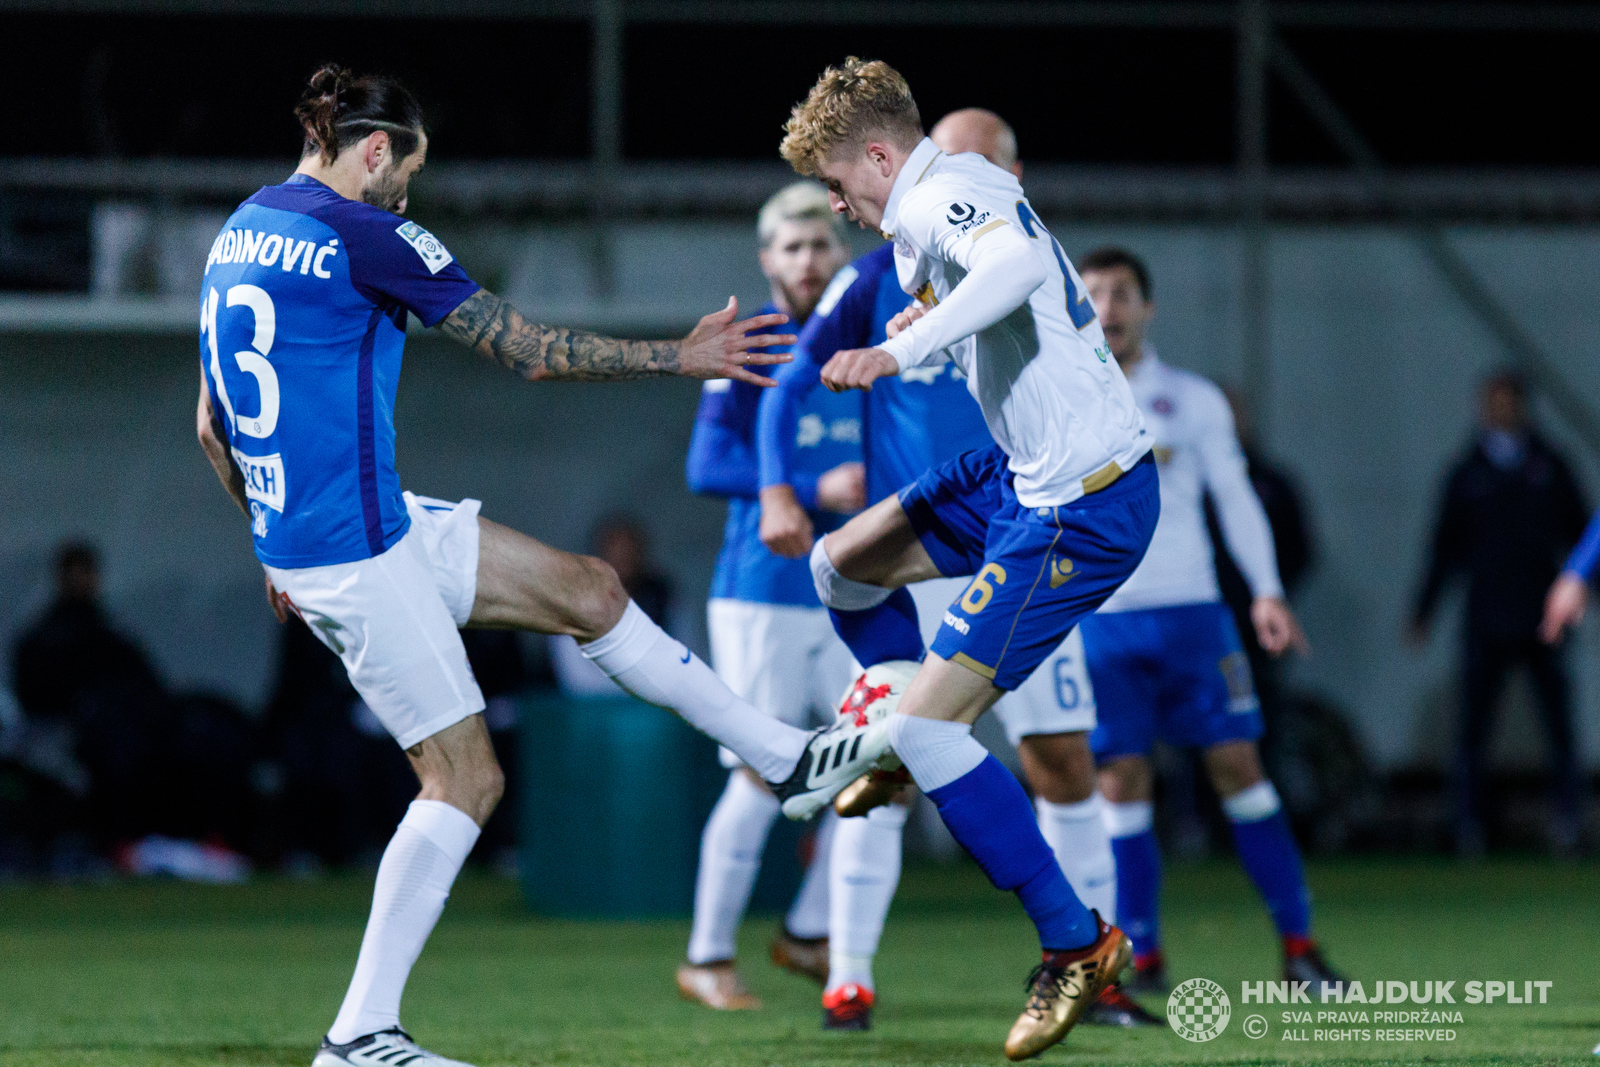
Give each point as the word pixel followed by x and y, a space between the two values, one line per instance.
pixel 931 731
pixel 525 584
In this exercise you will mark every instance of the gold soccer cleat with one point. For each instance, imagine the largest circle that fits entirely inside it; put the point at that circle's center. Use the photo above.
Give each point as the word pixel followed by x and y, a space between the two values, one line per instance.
pixel 716 985
pixel 807 957
pixel 1061 989
pixel 872 790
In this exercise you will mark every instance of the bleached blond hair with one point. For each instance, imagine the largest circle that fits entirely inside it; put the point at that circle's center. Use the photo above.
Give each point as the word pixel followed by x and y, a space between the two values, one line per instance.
pixel 850 105
pixel 798 202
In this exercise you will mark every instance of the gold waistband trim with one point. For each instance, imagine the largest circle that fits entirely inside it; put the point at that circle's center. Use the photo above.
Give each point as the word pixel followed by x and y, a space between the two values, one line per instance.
pixel 973 665
pixel 1103 477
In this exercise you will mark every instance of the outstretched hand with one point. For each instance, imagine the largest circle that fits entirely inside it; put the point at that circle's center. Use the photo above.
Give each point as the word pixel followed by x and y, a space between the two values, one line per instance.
pixel 718 348
pixel 1563 607
pixel 858 368
pixel 1277 630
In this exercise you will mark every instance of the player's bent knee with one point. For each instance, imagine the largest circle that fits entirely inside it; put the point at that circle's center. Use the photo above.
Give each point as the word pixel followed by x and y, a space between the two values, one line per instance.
pixel 597 601
pixel 1234 766
pixel 838 592
pixel 1126 780
pixel 1060 767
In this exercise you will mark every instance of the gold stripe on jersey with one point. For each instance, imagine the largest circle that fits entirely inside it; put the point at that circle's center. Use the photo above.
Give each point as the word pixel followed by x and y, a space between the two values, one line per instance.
pixel 985 229
pixel 973 665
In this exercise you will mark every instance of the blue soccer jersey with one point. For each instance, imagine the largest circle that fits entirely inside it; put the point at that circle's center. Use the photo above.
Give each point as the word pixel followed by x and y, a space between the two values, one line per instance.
pixel 722 462
pixel 302 322
pixel 911 423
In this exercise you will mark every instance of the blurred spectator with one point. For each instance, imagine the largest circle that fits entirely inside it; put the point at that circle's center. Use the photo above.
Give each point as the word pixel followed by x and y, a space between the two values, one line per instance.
pixel 621 540
pixel 338 784
pixel 498 664
pixel 79 678
pixel 1291 535
pixel 1510 512
pixel 338 788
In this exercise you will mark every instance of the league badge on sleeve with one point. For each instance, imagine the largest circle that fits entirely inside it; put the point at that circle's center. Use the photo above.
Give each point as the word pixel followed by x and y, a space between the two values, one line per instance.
pixel 433 253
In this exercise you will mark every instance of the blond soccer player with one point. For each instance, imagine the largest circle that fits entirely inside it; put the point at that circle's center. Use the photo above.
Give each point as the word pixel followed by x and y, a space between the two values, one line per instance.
pixel 1047 523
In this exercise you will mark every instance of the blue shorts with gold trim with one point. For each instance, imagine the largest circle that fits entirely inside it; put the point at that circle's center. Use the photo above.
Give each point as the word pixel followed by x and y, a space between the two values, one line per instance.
pixel 1035 571
pixel 1179 674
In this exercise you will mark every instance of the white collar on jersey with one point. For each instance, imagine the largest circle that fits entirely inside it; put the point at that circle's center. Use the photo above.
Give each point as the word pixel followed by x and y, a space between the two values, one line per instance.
pixel 1148 362
pixel 915 169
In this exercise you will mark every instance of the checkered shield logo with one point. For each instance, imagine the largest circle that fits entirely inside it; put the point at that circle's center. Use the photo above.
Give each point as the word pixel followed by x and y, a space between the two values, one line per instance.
pixel 1198 1009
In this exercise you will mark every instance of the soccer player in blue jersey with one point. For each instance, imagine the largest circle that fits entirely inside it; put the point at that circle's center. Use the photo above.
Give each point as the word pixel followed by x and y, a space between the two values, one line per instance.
pixel 916 422
pixel 303 310
pixel 1047 522
pixel 1164 653
pixel 771 640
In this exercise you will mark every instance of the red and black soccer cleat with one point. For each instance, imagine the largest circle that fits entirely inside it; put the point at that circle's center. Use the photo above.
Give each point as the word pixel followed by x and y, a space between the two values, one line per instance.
pixel 847 1008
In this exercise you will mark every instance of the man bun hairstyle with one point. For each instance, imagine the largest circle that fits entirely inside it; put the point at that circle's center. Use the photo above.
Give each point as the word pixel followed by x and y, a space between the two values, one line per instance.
pixel 1109 257
pixel 803 201
pixel 851 104
pixel 338 109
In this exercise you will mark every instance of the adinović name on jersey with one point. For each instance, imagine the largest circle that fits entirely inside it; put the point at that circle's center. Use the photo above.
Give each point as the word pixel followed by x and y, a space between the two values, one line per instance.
pixel 264 249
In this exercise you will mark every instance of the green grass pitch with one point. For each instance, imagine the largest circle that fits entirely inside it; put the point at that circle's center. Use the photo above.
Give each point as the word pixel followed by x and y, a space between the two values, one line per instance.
pixel 165 974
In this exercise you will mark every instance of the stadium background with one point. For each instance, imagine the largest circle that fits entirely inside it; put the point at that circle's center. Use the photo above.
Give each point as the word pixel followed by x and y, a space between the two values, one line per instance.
pixel 1352 211
pixel 630 208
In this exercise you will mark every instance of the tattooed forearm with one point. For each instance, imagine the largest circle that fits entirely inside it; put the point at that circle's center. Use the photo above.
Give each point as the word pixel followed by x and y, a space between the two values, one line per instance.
pixel 488 324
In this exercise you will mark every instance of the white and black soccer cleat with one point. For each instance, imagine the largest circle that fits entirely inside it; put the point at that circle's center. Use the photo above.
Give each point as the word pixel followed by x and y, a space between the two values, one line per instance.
pixel 840 753
pixel 386 1048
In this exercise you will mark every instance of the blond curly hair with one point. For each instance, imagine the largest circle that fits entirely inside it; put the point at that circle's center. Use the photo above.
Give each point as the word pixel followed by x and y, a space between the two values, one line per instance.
pixel 849 105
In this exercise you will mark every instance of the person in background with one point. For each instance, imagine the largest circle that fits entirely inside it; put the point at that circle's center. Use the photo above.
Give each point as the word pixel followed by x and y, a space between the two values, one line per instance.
pixel 1293 544
pixel 771 640
pixel 1509 513
pixel 498 663
pixel 73 667
pixel 1164 654
pixel 621 540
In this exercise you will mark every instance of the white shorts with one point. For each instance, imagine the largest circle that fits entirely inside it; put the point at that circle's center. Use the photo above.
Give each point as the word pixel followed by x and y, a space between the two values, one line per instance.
pixel 785 660
pixel 1056 699
pixel 394 619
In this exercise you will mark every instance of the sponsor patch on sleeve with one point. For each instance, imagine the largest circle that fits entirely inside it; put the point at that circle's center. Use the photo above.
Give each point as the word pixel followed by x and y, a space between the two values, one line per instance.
pixel 966 218
pixel 433 252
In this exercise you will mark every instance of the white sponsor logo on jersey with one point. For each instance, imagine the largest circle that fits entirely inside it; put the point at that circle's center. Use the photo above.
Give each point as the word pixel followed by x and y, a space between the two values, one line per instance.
pixel 434 254
pixel 263 478
pixel 812 431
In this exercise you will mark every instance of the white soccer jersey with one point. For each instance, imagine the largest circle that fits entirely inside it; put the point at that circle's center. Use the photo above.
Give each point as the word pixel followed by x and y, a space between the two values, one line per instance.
pixel 1198 452
pixel 1010 310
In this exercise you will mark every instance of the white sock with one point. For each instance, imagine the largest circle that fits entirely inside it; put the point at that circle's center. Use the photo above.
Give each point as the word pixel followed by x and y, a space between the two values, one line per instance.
pixel 935 752
pixel 1077 835
pixel 730 857
pixel 1252 804
pixel 808 915
pixel 1129 819
pixel 414 879
pixel 866 870
pixel 640 657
